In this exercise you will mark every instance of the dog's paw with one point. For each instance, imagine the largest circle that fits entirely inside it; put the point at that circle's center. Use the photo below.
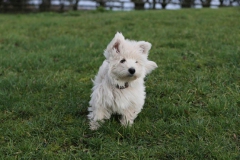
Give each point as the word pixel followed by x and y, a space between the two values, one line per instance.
pixel 125 122
pixel 93 125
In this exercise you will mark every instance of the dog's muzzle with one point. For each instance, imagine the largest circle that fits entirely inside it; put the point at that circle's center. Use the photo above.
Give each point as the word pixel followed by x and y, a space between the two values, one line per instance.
pixel 122 87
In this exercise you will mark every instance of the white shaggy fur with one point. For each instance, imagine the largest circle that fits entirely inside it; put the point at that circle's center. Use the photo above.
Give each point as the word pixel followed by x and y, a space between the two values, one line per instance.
pixel 119 85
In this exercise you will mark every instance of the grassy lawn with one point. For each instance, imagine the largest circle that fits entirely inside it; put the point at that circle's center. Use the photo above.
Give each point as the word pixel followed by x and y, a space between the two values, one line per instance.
pixel 192 109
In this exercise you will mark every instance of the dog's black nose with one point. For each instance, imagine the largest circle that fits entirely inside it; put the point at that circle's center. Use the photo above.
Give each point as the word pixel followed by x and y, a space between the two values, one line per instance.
pixel 131 70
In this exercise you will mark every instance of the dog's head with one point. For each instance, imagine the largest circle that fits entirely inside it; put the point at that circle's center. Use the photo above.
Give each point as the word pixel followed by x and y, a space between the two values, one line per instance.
pixel 128 60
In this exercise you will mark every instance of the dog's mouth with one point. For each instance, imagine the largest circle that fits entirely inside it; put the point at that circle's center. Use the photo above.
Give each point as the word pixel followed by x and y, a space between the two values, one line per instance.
pixel 132 76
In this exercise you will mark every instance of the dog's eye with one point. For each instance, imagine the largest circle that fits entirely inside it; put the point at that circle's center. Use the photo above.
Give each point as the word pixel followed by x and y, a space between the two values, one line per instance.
pixel 136 61
pixel 123 60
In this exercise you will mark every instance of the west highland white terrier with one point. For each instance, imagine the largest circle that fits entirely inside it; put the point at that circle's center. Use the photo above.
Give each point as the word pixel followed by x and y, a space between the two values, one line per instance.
pixel 119 85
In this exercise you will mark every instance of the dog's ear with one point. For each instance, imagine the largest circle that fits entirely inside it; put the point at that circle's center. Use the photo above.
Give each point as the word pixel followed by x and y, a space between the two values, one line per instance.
pixel 115 45
pixel 144 47
pixel 150 66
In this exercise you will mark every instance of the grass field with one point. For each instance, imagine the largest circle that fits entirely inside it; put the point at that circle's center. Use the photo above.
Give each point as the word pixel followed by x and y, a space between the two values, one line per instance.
pixel 192 109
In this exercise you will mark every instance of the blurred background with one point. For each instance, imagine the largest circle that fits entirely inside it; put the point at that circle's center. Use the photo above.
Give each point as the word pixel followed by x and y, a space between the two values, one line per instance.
pixel 126 5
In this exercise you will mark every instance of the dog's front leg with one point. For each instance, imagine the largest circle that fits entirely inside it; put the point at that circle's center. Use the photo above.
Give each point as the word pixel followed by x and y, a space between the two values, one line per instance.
pixel 128 116
pixel 96 116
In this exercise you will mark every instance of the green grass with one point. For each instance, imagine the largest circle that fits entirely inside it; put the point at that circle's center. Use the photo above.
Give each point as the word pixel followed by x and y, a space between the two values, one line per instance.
pixel 192 109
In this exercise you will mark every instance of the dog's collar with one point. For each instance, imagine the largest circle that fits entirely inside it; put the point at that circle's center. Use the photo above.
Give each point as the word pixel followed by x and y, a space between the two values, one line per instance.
pixel 122 87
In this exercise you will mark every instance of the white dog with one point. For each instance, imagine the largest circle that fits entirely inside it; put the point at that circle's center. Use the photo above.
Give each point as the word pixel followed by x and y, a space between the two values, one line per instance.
pixel 119 85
